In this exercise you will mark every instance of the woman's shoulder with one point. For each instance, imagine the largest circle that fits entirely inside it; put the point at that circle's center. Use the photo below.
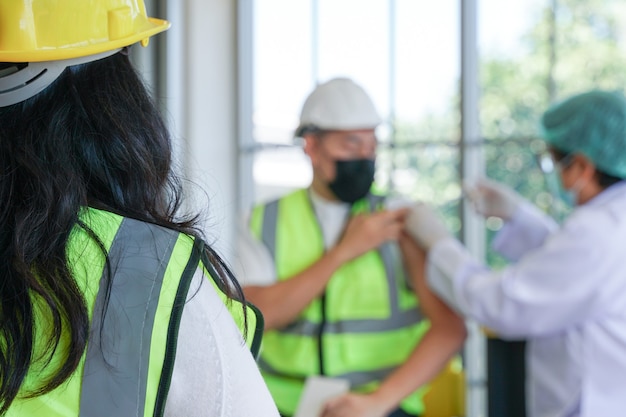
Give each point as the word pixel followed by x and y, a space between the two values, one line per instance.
pixel 213 364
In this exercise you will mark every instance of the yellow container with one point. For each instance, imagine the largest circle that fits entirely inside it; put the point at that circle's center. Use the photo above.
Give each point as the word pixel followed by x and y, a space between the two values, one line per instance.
pixel 446 394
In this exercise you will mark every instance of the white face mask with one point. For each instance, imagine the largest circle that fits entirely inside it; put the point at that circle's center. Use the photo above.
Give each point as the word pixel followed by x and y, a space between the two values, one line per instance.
pixel 570 195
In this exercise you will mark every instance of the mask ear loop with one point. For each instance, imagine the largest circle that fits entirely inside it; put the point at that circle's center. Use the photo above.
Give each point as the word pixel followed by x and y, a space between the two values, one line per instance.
pixel 26 80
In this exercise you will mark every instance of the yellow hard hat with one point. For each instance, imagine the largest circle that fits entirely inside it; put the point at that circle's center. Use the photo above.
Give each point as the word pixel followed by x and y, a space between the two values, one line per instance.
pixel 50 30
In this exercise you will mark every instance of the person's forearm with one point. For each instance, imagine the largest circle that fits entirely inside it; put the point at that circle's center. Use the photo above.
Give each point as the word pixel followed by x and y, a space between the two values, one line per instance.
pixel 281 302
pixel 426 361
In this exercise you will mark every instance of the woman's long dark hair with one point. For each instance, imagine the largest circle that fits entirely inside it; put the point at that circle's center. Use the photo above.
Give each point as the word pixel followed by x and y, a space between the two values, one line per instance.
pixel 92 138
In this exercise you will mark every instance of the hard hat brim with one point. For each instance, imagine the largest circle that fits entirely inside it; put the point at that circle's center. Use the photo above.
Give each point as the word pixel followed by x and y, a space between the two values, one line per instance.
pixel 152 27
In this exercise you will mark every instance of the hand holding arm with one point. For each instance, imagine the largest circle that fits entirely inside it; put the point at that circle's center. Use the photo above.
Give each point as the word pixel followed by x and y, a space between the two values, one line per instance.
pixel 363 232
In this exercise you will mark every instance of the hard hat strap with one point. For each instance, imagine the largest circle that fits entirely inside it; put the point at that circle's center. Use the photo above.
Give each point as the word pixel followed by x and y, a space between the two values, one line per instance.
pixel 31 79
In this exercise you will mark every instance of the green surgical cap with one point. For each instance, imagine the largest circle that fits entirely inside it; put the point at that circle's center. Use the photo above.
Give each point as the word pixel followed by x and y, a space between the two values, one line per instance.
pixel 591 123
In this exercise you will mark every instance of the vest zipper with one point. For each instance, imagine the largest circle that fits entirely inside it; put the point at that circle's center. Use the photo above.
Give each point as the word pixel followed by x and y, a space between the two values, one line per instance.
pixel 320 335
pixel 320 331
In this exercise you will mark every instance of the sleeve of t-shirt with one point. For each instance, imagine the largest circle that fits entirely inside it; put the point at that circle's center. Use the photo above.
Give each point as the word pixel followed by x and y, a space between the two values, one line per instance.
pixel 253 264
pixel 214 375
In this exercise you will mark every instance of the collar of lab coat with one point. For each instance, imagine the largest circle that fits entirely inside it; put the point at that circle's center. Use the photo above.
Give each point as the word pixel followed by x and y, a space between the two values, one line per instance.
pixel 614 191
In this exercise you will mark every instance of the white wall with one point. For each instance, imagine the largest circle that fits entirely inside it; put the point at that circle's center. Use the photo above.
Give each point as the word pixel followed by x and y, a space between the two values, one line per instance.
pixel 201 101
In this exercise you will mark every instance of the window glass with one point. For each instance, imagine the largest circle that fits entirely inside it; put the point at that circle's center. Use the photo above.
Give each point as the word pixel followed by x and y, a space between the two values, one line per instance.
pixel 544 52
pixel 354 42
pixel 385 46
pixel 423 159
pixel 426 70
pixel 282 66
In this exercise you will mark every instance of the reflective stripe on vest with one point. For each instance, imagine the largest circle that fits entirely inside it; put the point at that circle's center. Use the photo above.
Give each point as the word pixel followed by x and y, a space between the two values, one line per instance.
pixel 290 354
pixel 132 305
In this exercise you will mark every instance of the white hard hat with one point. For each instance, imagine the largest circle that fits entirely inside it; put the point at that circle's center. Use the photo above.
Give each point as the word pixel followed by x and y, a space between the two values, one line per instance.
pixel 338 104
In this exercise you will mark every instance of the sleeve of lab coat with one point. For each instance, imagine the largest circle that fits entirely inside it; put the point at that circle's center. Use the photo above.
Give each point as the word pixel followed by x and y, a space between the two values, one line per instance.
pixel 527 230
pixel 550 288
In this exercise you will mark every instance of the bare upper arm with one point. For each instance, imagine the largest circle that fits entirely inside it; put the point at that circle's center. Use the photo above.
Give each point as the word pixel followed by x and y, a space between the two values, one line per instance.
pixel 432 306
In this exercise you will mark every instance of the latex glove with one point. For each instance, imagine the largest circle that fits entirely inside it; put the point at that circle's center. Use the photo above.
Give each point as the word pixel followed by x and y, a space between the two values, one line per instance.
pixel 425 226
pixel 491 198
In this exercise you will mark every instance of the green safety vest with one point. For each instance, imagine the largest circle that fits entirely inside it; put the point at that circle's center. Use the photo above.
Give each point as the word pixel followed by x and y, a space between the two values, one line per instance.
pixel 127 366
pixel 365 324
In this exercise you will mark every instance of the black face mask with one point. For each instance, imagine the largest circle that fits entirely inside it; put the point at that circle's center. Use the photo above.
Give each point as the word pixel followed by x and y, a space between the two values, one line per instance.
pixel 353 180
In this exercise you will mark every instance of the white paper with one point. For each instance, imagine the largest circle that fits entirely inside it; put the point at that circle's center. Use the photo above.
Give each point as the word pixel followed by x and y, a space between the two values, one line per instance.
pixel 318 390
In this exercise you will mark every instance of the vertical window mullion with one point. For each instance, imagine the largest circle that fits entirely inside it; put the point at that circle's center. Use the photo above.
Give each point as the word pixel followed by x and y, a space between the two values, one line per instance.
pixel 391 121
pixel 472 166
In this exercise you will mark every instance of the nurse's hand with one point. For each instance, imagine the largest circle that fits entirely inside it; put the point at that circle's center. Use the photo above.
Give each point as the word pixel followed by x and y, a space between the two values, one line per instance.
pixel 491 198
pixel 425 226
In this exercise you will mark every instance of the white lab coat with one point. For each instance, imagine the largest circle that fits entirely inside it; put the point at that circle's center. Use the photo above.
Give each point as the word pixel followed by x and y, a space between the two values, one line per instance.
pixel 565 293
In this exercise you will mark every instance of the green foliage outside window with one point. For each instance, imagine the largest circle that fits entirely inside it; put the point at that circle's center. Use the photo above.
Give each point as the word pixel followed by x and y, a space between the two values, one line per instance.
pixel 576 45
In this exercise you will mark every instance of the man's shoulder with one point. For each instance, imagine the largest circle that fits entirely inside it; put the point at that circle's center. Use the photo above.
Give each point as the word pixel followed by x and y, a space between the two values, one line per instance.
pixel 290 195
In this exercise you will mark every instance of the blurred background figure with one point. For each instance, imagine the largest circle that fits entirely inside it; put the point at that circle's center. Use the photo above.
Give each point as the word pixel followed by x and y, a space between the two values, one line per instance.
pixel 566 289
pixel 111 303
pixel 324 266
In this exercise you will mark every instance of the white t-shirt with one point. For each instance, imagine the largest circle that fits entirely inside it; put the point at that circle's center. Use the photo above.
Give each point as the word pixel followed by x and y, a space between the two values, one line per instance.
pixel 214 374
